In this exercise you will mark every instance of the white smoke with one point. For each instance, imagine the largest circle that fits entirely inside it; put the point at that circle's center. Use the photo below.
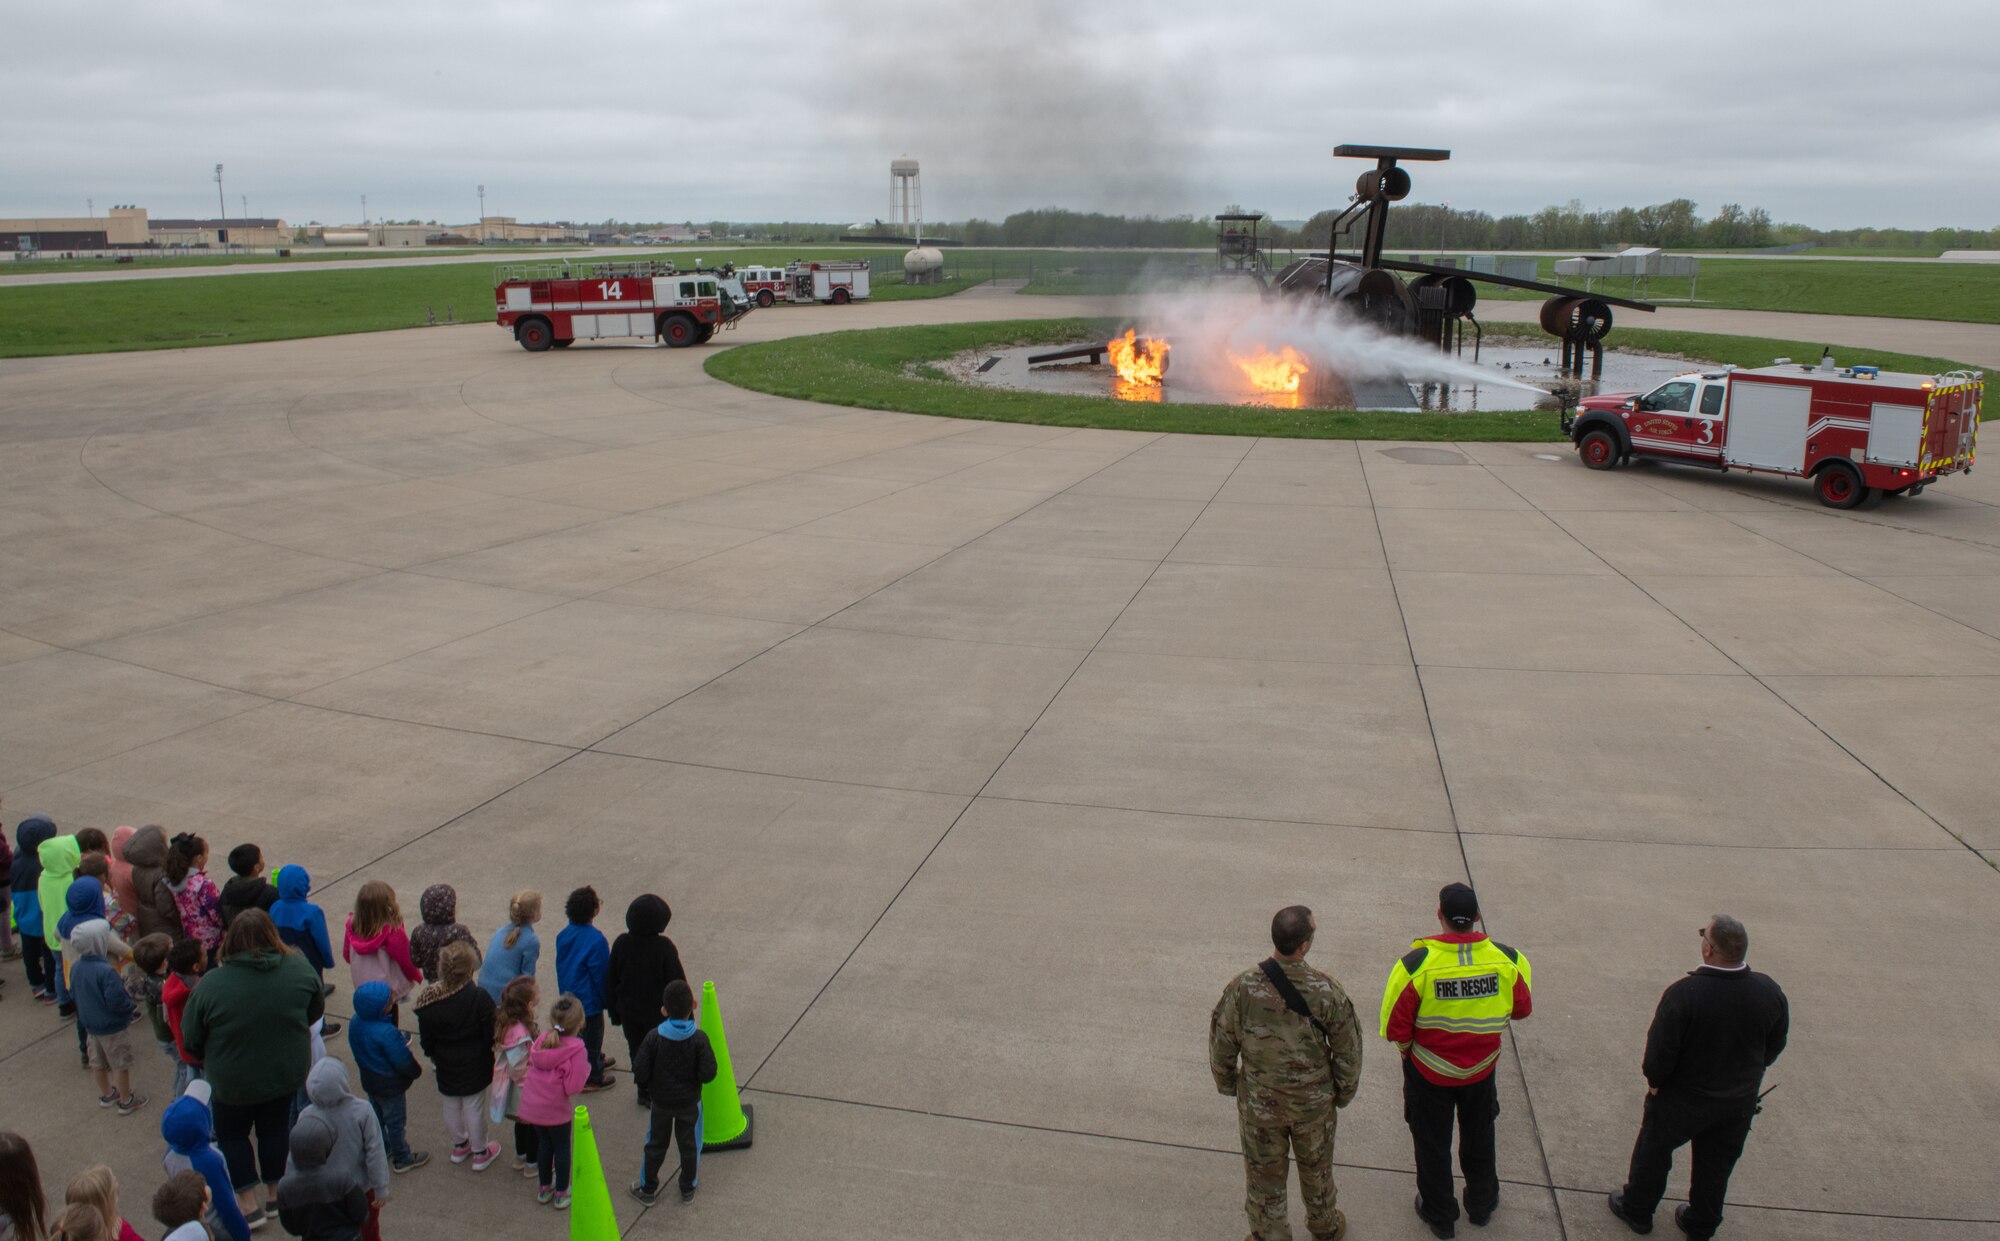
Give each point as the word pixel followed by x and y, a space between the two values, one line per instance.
pixel 1203 328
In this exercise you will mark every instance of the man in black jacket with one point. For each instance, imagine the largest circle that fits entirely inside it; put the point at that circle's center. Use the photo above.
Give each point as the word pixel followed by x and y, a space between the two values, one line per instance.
pixel 1713 1035
pixel 673 1063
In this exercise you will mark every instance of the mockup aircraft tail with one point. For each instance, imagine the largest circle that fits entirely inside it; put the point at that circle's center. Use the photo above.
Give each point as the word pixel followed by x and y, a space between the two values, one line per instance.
pixel 725 1119
pixel 590 1214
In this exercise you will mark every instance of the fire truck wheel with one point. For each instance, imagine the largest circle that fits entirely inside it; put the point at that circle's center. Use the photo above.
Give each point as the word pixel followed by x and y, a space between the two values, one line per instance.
pixel 704 334
pixel 1598 450
pixel 1838 485
pixel 678 331
pixel 765 298
pixel 840 297
pixel 534 335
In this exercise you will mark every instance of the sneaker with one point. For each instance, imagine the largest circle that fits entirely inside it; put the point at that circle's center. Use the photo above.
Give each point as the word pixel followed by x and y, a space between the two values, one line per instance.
pixel 326 989
pixel 131 1103
pixel 459 1154
pixel 256 1218
pixel 610 1062
pixel 594 1087
pixel 687 1195
pixel 12 954
pixel 416 1160
pixel 562 1200
pixel 328 1029
pixel 643 1194
pixel 108 1098
pixel 484 1159
pixel 530 1170
pixel 66 1012
pixel 544 1196
pixel 45 997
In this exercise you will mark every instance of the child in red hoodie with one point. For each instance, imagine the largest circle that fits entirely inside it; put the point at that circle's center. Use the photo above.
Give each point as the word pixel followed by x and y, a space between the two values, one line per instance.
pixel 185 961
pixel 376 947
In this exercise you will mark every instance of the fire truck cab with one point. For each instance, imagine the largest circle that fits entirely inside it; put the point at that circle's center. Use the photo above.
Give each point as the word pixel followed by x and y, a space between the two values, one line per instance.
pixel 557 305
pixel 765 285
pixel 1858 433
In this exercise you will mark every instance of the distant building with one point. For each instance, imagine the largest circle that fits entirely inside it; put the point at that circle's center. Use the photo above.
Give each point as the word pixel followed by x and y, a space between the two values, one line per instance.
pixel 506 228
pixel 251 231
pixel 120 228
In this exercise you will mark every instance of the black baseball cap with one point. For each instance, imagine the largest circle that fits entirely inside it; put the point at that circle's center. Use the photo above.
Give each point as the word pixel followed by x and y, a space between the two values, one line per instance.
pixel 1458 905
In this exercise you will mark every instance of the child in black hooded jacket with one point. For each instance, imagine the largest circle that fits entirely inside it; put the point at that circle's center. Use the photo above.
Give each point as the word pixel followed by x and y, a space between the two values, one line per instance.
pixel 643 962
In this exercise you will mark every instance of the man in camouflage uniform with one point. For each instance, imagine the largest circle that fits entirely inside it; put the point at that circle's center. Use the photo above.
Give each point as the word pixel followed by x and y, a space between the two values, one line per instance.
pixel 1294 1073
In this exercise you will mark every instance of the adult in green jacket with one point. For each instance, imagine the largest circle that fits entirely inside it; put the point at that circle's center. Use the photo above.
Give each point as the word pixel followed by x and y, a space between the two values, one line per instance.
pixel 249 1023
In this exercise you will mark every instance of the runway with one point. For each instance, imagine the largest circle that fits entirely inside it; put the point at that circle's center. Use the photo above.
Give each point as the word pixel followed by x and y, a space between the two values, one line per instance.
pixel 973 759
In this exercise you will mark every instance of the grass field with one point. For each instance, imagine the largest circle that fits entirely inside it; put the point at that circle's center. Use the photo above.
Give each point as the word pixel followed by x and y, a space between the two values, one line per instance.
pixel 1957 292
pixel 111 316
pixel 889 368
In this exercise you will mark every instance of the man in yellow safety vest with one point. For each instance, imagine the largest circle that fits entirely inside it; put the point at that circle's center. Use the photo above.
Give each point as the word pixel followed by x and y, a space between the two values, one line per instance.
pixel 1448 1001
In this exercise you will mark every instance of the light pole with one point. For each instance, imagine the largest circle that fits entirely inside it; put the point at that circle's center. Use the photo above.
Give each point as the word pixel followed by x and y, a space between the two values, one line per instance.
pixel 364 211
pixel 221 207
pixel 482 213
pixel 90 207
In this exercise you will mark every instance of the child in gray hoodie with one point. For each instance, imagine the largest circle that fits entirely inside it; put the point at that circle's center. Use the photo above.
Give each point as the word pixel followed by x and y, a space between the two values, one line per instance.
pixel 357 1136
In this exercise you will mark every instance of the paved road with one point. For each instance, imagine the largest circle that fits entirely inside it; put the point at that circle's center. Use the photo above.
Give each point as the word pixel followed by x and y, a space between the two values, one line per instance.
pixel 973 759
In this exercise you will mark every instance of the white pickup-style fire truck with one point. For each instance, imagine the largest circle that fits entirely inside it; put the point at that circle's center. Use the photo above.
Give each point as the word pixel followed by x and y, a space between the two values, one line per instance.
pixel 837 281
pixel 560 304
pixel 1858 433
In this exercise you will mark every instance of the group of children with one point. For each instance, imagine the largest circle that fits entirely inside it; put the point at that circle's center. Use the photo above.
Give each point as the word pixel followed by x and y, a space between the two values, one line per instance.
pixel 91 1209
pixel 143 922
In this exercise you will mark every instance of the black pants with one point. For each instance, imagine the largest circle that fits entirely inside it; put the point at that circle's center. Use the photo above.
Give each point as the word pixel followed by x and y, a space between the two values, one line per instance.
pixel 552 1155
pixel 39 962
pixel 525 1141
pixel 272 1119
pixel 593 1044
pixel 682 1126
pixel 1716 1127
pixel 1430 1110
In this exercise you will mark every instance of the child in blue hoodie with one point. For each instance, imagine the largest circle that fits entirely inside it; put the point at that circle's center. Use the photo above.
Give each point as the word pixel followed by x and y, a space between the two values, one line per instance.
pixel 105 1011
pixel 186 1125
pixel 382 1057
pixel 673 1064
pixel 24 876
pixel 302 924
pixel 583 960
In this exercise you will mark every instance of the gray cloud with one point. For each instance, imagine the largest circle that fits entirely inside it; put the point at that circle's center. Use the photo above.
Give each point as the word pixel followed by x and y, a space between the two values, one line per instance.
pixel 1836 113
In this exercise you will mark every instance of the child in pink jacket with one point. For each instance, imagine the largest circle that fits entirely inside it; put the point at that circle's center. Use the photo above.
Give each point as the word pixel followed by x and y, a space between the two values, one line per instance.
pixel 376 947
pixel 557 1070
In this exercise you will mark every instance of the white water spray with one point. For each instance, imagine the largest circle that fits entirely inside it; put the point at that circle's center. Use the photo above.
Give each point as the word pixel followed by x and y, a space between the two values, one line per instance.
pixel 1204 328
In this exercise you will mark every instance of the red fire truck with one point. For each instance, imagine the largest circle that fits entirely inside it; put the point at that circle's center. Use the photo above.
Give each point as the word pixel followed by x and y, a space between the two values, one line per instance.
pixel 1858 432
pixel 560 304
pixel 834 281
pixel 765 285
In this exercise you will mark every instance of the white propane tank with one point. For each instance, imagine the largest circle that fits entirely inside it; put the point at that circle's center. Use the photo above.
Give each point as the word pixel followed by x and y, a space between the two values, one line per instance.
pixel 923 265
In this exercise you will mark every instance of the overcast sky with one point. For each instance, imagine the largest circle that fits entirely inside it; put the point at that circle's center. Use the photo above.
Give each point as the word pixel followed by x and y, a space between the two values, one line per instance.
pixel 1833 113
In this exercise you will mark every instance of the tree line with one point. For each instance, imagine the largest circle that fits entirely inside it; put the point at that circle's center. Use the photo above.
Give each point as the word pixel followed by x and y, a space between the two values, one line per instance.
pixel 1677 224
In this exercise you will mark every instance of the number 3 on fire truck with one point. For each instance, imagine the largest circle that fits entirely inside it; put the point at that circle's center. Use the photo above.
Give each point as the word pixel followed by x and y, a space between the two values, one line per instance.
pixel 610 290
pixel 1707 433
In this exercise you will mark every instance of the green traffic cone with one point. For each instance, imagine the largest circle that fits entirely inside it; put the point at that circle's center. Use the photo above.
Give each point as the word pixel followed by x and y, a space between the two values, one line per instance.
pixel 725 1118
pixel 590 1214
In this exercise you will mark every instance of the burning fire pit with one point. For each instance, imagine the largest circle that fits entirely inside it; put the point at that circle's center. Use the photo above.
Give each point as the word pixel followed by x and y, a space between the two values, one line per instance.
pixel 1274 376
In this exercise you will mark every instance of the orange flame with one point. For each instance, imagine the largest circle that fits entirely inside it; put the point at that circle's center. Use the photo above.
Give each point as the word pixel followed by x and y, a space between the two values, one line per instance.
pixel 1282 371
pixel 1138 361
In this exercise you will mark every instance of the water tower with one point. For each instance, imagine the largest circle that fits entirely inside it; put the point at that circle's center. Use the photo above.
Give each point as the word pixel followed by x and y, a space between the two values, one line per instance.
pixel 906 197
pixel 923 265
